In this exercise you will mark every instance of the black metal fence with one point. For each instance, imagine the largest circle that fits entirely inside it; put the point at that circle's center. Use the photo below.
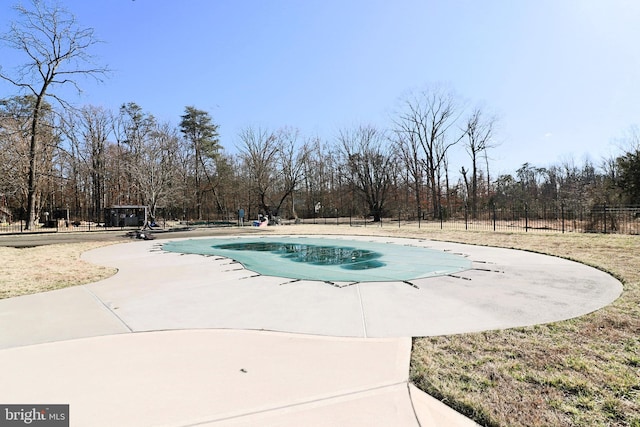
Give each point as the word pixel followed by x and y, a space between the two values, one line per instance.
pixel 561 219
pixel 556 219
pixel 56 227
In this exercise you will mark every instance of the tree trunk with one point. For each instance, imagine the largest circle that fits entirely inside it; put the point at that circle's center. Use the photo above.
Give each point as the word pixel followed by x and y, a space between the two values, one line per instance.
pixel 474 186
pixel 33 176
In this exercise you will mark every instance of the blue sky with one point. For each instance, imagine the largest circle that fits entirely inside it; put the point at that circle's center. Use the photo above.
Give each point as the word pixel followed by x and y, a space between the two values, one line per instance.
pixel 563 76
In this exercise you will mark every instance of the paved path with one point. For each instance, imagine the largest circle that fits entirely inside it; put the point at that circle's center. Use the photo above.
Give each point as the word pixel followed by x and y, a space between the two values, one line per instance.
pixel 183 340
pixel 224 378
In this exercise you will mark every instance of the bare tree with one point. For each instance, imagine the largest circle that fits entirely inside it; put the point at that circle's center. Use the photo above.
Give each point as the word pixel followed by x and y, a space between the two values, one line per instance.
pixel 424 124
pixel 88 130
pixel 479 133
pixel 57 54
pixel 259 152
pixel 275 162
pixel 224 185
pixel 371 165
pixel 156 167
pixel 321 178
pixel 14 148
pixel 132 129
pixel 290 161
pixel 17 127
pixel 180 198
pixel 410 150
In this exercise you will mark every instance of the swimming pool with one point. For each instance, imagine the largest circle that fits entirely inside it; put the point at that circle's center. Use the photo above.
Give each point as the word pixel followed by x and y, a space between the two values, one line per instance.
pixel 327 259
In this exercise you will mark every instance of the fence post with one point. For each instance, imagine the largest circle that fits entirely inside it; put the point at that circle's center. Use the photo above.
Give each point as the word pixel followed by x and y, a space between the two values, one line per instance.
pixel 398 218
pixel 440 210
pixel 604 218
pixel 526 217
pixel 466 216
pixel 562 213
pixel 493 208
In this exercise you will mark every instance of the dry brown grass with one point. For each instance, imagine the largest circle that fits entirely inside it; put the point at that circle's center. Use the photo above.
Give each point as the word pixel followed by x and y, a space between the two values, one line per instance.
pixel 579 372
pixel 45 268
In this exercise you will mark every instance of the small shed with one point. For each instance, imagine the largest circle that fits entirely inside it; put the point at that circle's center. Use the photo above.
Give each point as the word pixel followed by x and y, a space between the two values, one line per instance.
pixel 126 216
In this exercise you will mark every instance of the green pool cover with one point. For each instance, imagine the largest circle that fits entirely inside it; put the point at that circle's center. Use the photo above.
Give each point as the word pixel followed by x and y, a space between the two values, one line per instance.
pixel 323 259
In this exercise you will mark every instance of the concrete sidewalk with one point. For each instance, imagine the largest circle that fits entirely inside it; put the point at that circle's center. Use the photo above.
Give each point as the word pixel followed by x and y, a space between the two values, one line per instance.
pixel 223 378
pixel 183 340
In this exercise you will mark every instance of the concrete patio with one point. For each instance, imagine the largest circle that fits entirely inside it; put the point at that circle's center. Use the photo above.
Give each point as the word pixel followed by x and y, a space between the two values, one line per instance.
pixel 183 340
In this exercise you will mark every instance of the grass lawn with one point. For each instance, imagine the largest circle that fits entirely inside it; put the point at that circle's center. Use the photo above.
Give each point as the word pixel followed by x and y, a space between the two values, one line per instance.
pixel 579 372
pixel 45 268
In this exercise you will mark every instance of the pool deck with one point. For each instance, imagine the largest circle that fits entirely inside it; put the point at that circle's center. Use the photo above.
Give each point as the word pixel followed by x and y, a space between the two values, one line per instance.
pixel 185 340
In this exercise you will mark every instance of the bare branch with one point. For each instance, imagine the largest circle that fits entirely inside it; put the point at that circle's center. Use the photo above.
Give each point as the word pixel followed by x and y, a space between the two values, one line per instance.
pixel 56 49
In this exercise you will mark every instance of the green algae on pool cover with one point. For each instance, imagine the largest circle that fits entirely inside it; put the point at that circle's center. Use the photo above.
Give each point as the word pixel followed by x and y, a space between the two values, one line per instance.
pixel 327 259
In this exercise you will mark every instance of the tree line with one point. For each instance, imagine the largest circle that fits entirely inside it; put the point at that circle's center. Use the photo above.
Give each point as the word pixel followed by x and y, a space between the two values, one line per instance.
pixel 56 156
